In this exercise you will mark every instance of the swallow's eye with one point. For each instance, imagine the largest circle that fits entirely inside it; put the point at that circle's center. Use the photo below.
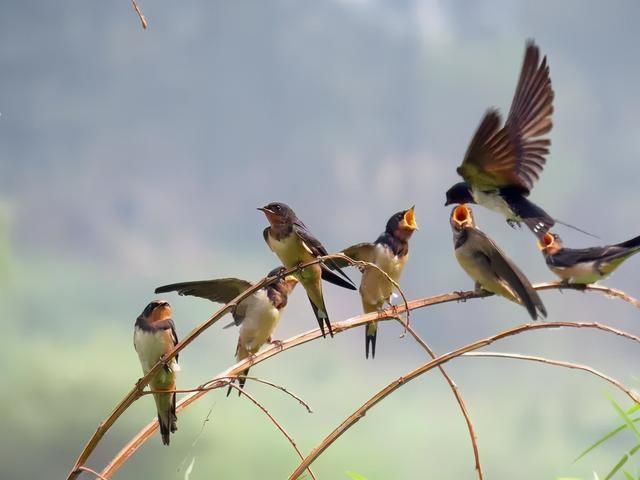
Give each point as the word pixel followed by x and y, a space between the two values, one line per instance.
pixel 276 207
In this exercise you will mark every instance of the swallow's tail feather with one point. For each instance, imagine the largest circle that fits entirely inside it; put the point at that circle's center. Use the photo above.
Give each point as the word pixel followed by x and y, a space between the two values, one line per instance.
pixel 166 404
pixel 322 317
pixel 331 277
pixel 633 243
pixel 370 335
pixel 241 381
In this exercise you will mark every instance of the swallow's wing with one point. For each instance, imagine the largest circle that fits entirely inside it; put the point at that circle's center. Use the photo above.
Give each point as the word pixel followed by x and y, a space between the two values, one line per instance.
pixel 569 257
pixel 313 246
pixel 508 272
pixel 360 252
pixel 170 329
pixel 221 290
pixel 514 155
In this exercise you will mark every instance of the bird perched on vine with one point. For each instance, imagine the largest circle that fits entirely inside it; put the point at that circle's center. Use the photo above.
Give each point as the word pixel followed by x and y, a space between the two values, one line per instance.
pixel 485 263
pixel 585 265
pixel 294 244
pixel 257 315
pixel 153 338
pixel 390 253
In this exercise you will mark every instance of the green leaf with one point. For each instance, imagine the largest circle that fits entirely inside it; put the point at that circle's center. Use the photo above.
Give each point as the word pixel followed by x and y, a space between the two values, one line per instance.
pixel 355 476
pixel 622 461
pixel 628 420
pixel 605 438
pixel 627 475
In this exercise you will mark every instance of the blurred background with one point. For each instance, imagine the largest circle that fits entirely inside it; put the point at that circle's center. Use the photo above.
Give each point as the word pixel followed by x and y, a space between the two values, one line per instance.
pixel 131 158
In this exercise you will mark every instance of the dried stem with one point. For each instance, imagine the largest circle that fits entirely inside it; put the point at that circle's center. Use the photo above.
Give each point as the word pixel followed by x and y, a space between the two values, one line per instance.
pixel 270 351
pixel 92 472
pixel 275 422
pixel 206 387
pixel 378 397
pixel 140 14
pixel 456 393
pixel 576 366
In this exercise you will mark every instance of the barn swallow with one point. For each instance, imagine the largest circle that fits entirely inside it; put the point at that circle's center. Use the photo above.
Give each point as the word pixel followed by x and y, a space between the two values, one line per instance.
pixel 154 337
pixel 501 165
pixel 390 252
pixel 585 265
pixel 257 315
pixel 483 260
pixel 294 244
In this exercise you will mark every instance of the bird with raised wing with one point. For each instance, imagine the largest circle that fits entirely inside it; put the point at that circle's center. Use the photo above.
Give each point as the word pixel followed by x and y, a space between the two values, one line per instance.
pixel 257 315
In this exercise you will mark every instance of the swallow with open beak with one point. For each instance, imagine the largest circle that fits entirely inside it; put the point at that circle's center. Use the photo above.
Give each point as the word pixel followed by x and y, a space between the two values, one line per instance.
pixel 483 260
pixel 257 315
pixel 585 265
pixel 294 244
pixel 502 164
pixel 390 253
pixel 154 337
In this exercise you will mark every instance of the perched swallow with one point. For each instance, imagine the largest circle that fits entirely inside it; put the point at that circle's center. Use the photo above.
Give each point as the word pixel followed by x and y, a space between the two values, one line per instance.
pixel 390 252
pixel 294 244
pixel 483 260
pixel 502 164
pixel 585 265
pixel 257 315
pixel 155 336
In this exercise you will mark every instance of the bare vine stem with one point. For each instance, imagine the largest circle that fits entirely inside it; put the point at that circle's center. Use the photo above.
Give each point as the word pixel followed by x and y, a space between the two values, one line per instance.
pixel 559 363
pixel 378 397
pixel 143 20
pixel 270 351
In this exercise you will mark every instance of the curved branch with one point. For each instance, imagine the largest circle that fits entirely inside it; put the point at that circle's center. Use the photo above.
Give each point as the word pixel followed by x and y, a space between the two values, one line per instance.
pixel 146 432
pixel 378 397
pixel 559 363
pixel 143 20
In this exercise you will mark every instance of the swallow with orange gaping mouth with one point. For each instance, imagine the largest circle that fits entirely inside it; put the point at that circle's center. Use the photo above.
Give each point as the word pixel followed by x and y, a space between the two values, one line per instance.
pixel 294 244
pixel 390 253
pixel 585 265
pixel 485 263
pixel 502 164
pixel 154 337
pixel 257 315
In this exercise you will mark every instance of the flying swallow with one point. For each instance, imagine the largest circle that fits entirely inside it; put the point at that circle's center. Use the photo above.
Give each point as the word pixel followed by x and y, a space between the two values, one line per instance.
pixel 483 260
pixel 585 265
pixel 390 252
pixel 257 315
pixel 502 164
pixel 294 244
pixel 155 336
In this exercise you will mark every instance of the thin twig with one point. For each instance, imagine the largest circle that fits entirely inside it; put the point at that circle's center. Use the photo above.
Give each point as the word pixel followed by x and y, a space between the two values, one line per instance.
pixel 275 422
pixel 456 393
pixel 140 14
pixel 206 388
pixel 378 397
pixel 576 366
pixel 92 472
pixel 234 370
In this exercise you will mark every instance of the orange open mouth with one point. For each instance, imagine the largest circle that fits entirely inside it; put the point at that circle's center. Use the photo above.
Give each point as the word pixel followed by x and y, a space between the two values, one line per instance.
pixel 547 241
pixel 462 215
pixel 409 220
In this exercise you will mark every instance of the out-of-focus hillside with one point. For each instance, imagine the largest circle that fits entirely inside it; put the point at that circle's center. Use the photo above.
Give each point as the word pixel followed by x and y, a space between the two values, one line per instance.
pixel 131 158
